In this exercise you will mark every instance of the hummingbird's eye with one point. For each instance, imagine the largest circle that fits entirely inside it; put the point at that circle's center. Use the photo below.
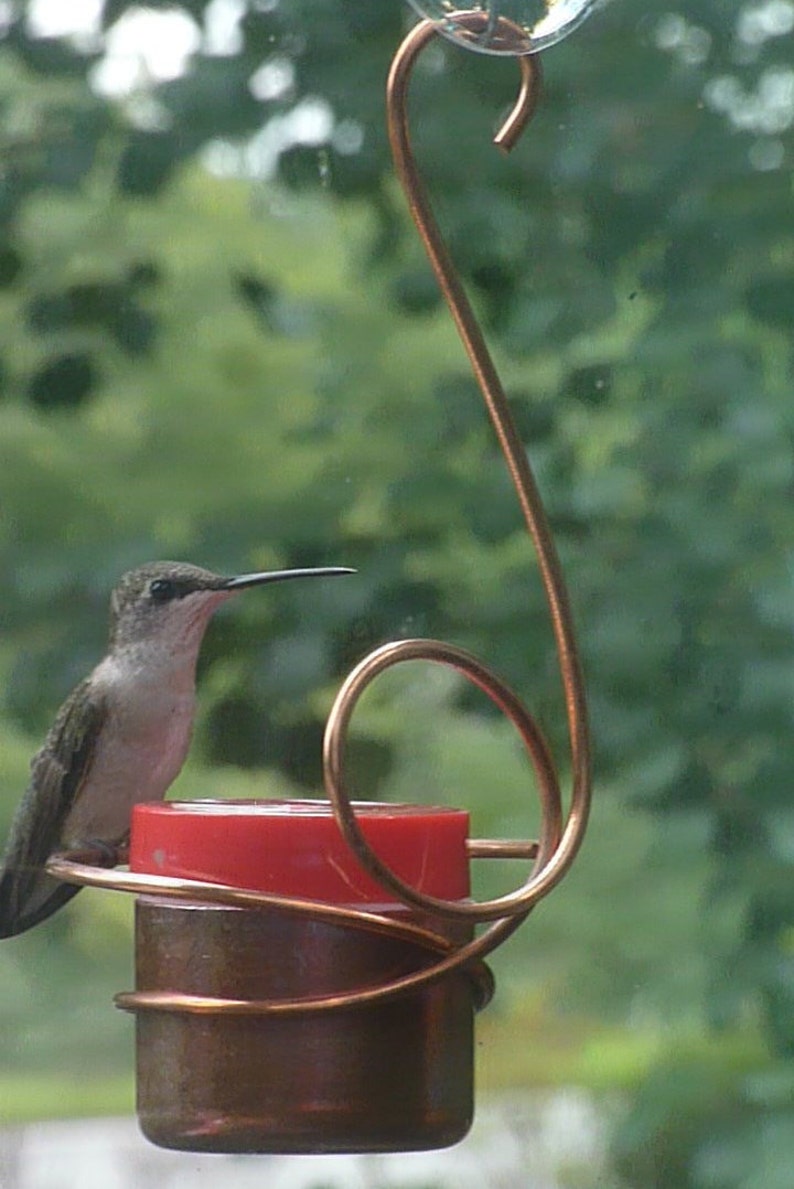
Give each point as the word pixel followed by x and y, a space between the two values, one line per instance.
pixel 162 589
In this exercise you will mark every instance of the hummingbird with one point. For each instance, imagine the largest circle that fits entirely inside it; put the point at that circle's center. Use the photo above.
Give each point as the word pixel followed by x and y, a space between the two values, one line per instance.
pixel 122 734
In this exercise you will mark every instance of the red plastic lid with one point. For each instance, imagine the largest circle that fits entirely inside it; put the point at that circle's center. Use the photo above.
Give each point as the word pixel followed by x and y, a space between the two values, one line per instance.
pixel 295 848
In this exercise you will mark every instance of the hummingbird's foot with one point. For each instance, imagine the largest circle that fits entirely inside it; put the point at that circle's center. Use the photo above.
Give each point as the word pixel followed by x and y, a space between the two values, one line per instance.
pixel 94 851
pixel 105 855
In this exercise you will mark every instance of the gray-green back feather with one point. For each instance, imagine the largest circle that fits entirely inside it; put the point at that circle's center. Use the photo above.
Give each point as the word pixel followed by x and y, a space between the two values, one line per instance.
pixel 58 770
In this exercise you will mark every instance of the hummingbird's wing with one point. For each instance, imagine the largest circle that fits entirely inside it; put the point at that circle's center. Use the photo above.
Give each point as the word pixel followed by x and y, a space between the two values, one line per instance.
pixel 27 893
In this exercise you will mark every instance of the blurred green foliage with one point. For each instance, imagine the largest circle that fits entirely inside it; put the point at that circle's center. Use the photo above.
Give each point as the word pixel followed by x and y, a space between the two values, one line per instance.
pixel 249 366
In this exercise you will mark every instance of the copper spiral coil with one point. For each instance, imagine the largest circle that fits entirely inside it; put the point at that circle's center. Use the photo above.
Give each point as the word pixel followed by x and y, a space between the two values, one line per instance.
pixel 558 844
pixel 556 849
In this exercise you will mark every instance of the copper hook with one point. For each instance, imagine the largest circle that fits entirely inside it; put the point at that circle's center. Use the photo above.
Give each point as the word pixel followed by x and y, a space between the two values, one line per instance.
pixel 555 854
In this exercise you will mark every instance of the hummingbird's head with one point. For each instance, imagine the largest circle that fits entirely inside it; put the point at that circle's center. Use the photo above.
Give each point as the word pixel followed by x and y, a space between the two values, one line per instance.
pixel 172 601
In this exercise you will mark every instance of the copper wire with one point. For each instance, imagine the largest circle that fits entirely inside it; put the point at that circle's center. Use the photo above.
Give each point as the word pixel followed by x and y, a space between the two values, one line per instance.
pixel 554 856
pixel 556 848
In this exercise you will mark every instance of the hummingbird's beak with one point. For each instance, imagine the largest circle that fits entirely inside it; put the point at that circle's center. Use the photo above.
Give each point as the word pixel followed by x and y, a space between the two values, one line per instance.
pixel 246 580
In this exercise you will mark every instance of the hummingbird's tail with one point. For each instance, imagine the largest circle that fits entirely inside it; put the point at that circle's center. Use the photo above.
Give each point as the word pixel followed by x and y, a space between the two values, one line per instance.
pixel 28 897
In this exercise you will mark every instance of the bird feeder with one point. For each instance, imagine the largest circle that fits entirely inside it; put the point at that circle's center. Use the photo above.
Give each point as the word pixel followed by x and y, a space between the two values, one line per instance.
pixel 238 1056
pixel 308 972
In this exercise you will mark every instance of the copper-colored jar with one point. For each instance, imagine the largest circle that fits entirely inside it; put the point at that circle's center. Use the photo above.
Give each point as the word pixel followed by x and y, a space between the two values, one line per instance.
pixel 385 1076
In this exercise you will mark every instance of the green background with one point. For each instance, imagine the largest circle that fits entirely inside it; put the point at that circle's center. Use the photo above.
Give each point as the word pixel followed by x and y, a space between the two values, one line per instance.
pixel 246 368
